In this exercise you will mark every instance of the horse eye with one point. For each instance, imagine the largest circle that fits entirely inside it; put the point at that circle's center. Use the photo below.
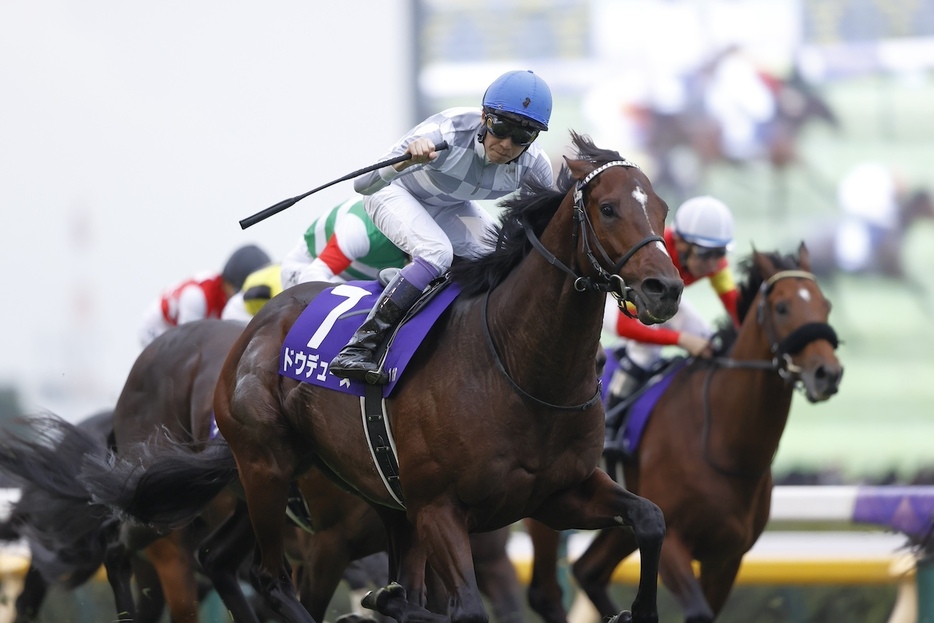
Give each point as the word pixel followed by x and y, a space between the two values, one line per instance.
pixel 607 209
pixel 781 308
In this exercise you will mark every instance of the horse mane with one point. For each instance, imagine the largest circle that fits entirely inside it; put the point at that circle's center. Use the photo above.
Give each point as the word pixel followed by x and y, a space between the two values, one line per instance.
pixel 751 281
pixel 533 203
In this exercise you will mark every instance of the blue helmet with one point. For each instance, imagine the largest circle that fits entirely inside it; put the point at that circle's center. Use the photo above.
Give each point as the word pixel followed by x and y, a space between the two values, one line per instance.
pixel 522 95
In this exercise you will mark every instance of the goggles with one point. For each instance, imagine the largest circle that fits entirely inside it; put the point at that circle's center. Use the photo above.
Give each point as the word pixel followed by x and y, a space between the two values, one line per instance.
pixel 708 253
pixel 502 129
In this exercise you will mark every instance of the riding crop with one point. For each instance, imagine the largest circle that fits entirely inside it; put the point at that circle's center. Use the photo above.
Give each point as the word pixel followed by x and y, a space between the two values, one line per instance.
pixel 287 203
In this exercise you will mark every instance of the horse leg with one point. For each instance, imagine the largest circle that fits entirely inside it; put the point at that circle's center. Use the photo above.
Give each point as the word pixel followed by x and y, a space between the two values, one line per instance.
pixel 324 559
pixel 598 503
pixel 677 573
pixel 593 570
pixel 30 599
pixel 118 556
pixel 544 594
pixel 150 601
pixel 221 554
pixel 265 481
pixel 717 580
pixel 174 562
pixel 442 532
pixel 406 597
pixel 496 575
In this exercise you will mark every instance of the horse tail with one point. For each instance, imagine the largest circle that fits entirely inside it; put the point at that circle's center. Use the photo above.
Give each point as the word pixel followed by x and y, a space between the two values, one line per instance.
pixel 54 512
pixel 162 483
pixel 41 453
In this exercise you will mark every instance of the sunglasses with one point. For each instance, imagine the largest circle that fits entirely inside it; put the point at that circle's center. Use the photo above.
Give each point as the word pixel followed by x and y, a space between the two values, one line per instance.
pixel 707 253
pixel 502 129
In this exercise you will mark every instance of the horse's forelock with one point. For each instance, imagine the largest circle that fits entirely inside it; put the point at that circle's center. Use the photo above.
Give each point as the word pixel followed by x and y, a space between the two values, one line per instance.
pixel 586 150
pixel 753 278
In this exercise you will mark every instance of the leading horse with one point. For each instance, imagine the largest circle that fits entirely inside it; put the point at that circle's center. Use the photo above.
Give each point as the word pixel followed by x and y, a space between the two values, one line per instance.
pixel 706 451
pixel 484 436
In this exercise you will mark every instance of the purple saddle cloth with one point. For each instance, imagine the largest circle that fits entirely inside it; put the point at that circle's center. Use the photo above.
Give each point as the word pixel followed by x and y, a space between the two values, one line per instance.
pixel 328 323
pixel 641 409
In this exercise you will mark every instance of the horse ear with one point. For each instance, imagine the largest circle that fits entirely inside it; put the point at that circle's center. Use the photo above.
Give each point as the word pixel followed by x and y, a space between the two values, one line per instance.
pixel 579 168
pixel 804 257
pixel 763 264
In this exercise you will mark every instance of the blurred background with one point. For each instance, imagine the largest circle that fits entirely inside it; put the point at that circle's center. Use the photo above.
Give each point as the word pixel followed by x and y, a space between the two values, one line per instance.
pixel 135 136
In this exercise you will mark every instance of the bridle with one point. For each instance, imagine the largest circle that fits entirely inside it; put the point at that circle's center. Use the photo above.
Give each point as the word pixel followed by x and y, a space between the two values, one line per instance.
pixel 781 361
pixel 604 281
pixel 783 350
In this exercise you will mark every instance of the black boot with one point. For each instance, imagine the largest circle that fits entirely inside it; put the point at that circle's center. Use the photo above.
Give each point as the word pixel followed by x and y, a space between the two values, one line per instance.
pixel 358 359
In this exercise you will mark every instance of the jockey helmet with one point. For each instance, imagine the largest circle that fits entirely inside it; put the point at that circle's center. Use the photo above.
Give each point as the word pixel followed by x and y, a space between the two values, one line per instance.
pixel 706 222
pixel 244 261
pixel 520 96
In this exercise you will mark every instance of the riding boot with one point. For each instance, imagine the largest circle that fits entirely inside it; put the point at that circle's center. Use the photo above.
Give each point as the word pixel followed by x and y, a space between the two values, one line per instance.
pixel 626 379
pixel 358 360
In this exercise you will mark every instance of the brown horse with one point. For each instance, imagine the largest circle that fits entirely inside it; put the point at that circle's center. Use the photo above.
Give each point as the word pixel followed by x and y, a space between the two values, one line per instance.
pixel 484 436
pixel 706 452
pixel 168 393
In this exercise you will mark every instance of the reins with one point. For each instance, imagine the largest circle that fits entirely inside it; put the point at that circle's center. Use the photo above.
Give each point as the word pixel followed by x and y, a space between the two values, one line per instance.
pixel 605 281
pixel 499 366
pixel 781 362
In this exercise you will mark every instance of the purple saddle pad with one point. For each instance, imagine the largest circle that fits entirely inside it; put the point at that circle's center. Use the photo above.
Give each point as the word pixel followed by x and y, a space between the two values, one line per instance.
pixel 641 409
pixel 328 323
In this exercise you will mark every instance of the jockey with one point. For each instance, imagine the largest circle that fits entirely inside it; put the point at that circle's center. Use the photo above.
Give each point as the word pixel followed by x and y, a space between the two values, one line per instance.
pixel 428 205
pixel 697 242
pixel 341 245
pixel 201 296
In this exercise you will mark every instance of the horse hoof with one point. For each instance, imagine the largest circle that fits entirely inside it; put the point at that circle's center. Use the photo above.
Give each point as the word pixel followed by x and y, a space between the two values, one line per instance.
pixel 374 600
pixel 623 617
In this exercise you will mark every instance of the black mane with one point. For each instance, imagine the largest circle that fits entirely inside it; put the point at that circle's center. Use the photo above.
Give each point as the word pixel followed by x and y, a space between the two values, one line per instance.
pixel 535 205
pixel 748 287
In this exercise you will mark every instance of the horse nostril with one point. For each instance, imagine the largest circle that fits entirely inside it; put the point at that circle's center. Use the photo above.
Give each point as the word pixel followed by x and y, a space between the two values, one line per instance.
pixel 663 289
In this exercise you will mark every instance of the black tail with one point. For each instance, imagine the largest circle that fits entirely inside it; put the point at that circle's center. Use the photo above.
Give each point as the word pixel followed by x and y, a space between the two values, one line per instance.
pixel 44 452
pixel 163 483
pixel 54 513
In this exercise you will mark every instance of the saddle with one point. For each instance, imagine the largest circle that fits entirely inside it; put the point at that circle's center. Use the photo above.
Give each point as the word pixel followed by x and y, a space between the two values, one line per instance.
pixel 322 330
pixel 627 418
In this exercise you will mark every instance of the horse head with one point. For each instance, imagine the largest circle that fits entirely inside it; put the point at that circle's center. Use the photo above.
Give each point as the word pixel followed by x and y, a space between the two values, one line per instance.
pixel 621 220
pixel 792 313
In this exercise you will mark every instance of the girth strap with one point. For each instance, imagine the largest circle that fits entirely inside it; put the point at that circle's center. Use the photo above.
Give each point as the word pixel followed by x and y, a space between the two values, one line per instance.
pixel 379 438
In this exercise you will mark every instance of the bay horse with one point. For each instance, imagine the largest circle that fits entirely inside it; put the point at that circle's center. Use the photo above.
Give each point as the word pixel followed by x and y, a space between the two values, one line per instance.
pixel 168 393
pixel 706 451
pixel 484 436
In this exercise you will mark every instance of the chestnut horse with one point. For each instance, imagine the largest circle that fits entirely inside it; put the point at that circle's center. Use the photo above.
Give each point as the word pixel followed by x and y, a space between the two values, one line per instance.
pixel 706 452
pixel 483 436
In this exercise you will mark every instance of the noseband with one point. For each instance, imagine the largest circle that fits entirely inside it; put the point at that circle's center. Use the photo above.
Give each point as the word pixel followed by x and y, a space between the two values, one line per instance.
pixel 605 281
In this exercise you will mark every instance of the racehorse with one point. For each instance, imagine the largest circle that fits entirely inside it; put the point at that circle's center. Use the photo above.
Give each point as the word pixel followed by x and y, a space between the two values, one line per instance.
pixel 169 392
pixel 706 450
pixel 483 436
